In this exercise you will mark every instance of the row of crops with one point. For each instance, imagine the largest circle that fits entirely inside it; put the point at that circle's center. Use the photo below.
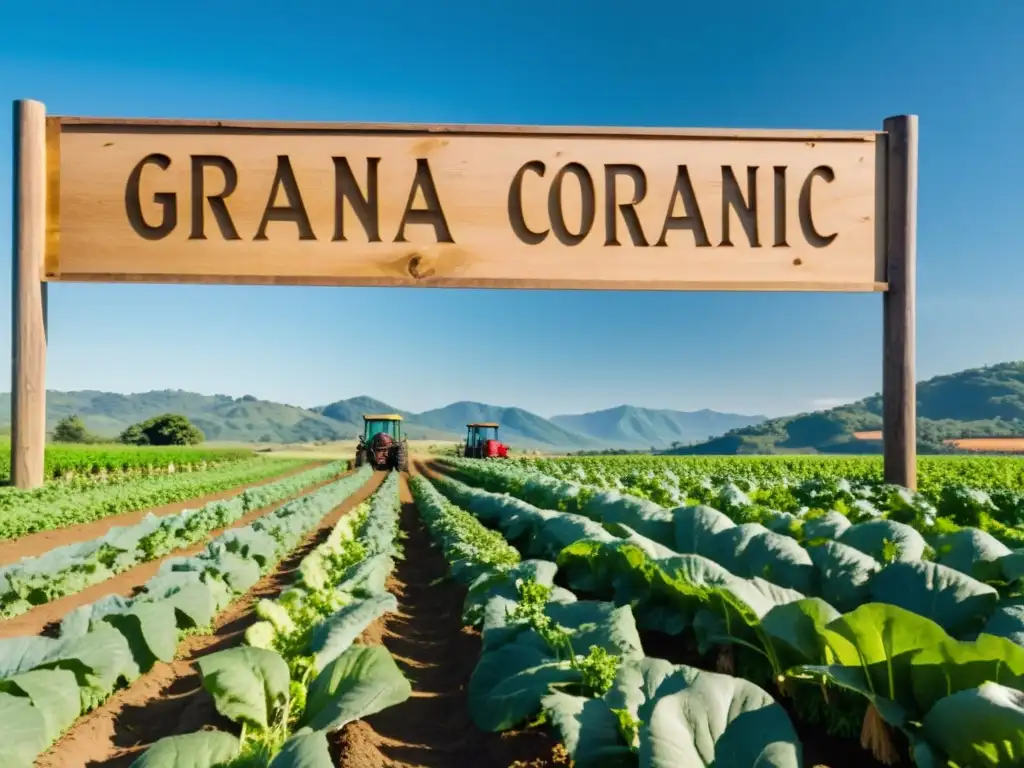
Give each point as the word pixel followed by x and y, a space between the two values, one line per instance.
pixel 67 570
pixel 63 460
pixel 578 664
pixel 785 494
pixel 899 634
pixel 300 676
pixel 48 682
pixel 59 505
pixel 668 479
pixel 749 618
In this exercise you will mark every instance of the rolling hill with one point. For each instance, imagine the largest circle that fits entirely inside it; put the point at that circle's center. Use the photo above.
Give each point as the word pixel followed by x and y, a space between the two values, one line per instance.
pixel 221 417
pixel 249 419
pixel 639 428
pixel 517 425
pixel 978 402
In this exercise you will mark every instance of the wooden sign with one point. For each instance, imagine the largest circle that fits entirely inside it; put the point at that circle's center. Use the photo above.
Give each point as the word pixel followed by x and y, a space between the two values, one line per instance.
pixel 506 207
pixel 174 201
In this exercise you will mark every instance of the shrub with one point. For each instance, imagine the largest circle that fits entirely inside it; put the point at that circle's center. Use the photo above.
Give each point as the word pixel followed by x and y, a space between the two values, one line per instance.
pixel 167 429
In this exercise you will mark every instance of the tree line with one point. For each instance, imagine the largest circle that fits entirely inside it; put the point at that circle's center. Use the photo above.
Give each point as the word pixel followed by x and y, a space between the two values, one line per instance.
pixel 165 429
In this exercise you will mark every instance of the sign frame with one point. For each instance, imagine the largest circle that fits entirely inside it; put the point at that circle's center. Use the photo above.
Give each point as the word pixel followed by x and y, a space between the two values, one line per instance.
pixel 486 206
pixel 885 223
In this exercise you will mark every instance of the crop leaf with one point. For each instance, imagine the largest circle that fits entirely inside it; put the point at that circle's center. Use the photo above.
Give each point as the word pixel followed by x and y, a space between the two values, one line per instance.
pixel 707 719
pixel 795 631
pixel 336 634
pixel 305 749
pixel 509 683
pixel 22 732
pixel 151 630
pixel 949 666
pixel 203 749
pixel 953 600
pixel 247 684
pixel 1007 620
pixel 589 731
pixel 871 651
pixel 981 726
pixel 98 659
pixel 54 692
pixel 362 681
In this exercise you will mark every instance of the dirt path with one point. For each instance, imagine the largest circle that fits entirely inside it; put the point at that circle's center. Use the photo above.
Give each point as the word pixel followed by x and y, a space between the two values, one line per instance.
pixel 169 700
pixel 42 617
pixel 12 550
pixel 438 655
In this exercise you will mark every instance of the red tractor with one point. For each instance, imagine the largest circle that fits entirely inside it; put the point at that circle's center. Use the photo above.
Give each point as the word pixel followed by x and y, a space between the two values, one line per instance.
pixel 482 442
pixel 381 445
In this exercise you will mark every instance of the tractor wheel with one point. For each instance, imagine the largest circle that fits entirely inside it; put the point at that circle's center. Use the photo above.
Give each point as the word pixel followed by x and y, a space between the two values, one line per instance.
pixel 360 460
pixel 402 457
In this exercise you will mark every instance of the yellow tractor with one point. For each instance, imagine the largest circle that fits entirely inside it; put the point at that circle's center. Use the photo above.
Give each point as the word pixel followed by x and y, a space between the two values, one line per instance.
pixel 381 445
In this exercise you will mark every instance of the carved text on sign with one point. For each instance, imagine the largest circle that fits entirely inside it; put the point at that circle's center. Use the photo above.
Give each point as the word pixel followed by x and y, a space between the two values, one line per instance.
pixel 684 209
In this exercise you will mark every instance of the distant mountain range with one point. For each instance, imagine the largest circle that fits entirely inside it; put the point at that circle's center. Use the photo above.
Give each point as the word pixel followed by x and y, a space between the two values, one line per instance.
pixel 248 419
pixel 974 403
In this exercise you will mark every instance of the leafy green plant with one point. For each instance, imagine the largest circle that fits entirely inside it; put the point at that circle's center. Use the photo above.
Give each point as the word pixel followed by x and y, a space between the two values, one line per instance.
pixel 879 564
pixel 57 505
pixel 597 669
pixel 110 643
pixel 66 570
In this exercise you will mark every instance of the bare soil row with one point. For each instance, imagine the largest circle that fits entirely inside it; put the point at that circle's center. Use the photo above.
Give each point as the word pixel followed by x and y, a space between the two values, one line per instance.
pixel 437 654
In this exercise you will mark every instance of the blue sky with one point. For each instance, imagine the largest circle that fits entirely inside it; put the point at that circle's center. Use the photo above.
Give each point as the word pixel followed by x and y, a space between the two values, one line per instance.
pixel 745 63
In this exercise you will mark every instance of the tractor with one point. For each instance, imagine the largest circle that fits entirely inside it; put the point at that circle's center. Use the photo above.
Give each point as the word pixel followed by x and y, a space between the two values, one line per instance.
pixel 381 445
pixel 482 442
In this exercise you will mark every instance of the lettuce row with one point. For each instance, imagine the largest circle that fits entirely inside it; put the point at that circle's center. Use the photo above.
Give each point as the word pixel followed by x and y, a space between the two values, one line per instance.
pixel 905 665
pixel 923 532
pixel 300 676
pixel 66 570
pixel 873 561
pixel 613 706
pixel 58 505
pixel 46 683
pixel 750 487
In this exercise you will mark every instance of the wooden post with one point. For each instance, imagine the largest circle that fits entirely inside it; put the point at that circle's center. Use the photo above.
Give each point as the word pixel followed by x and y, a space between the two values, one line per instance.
pixel 899 390
pixel 28 327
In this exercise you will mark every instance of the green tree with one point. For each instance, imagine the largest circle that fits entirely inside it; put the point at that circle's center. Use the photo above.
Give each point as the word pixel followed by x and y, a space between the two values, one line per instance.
pixel 71 429
pixel 166 429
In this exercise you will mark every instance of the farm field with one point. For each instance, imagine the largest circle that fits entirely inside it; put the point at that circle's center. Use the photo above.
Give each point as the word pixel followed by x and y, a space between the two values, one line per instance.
pixel 59 505
pixel 71 460
pixel 772 612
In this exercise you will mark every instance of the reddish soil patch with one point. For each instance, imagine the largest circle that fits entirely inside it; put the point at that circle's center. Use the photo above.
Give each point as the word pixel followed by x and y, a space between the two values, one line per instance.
pixel 874 434
pixel 983 444
pixel 1003 444
pixel 169 700
pixel 12 550
pixel 438 655
pixel 46 616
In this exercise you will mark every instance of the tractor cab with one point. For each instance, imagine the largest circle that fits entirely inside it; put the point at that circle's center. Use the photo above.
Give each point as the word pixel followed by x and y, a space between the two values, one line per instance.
pixel 482 442
pixel 381 444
